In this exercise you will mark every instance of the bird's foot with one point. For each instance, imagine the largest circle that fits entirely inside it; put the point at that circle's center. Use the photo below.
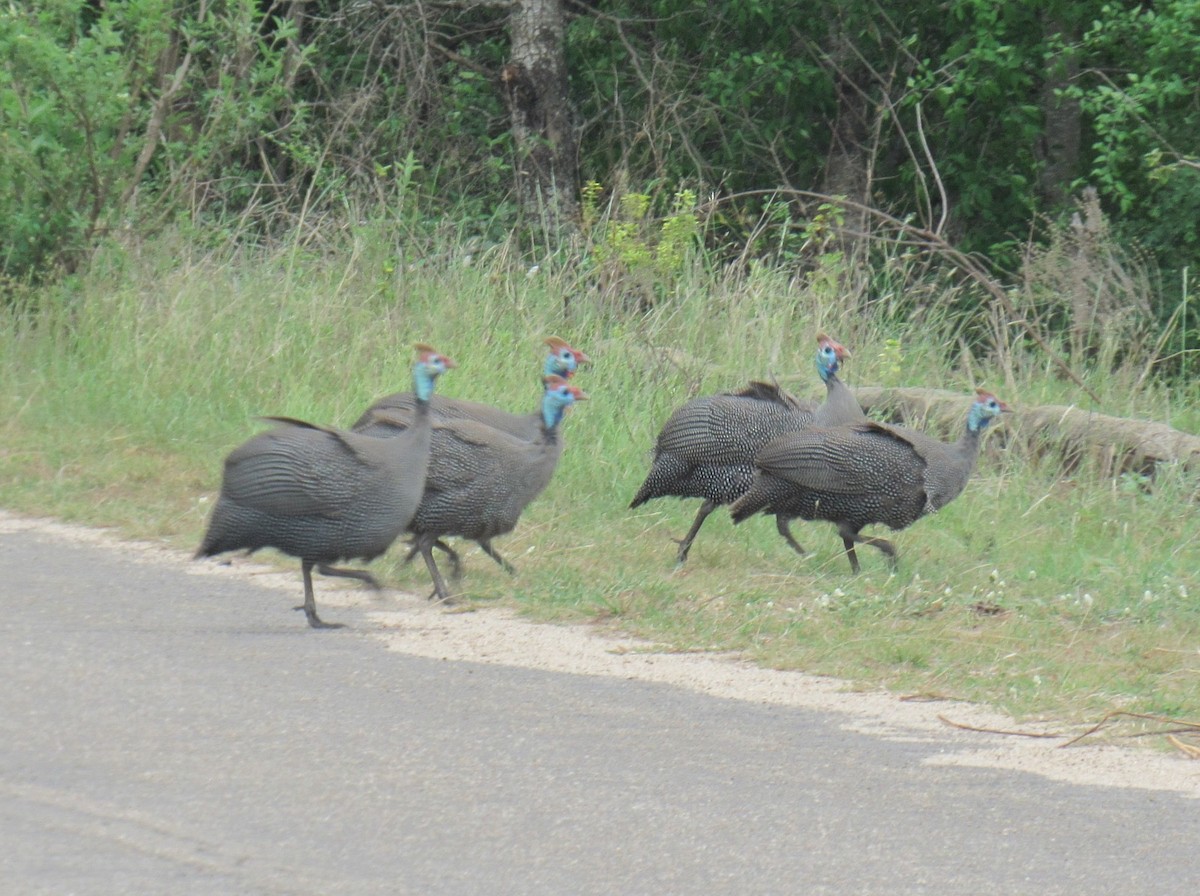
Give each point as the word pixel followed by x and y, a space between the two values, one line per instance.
pixel 316 621
pixel 684 546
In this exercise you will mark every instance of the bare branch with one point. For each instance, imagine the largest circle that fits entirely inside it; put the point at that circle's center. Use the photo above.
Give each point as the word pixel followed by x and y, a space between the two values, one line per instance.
pixel 937 178
pixel 154 126
pixel 929 241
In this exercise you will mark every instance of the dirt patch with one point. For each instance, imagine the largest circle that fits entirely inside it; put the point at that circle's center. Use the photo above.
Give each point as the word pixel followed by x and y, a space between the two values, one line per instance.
pixel 410 624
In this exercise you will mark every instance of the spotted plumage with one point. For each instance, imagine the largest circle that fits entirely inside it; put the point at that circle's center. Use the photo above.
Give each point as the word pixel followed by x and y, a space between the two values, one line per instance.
pixel 386 416
pixel 864 473
pixel 706 448
pixel 480 479
pixel 325 495
pixel 561 360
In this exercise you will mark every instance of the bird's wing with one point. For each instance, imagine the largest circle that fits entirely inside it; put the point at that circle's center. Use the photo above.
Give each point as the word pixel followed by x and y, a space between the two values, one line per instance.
pixel 771 392
pixel 384 422
pixel 294 470
pixel 398 404
pixel 464 450
pixel 840 459
pixel 723 429
pixel 350 444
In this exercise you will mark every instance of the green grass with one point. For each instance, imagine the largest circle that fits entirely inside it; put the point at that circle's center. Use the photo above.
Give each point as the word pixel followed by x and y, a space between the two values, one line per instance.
pixel 1039 594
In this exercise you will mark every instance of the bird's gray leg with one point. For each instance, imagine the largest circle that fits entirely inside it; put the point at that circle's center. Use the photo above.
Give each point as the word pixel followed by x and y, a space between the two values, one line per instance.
pixel 486 544
pixel 455 560
pixel 849 538
pixel 850 554
pixel 339 572
pixel 686 544
pixel 310 602
pixel 884 545
pixel 783 524
pixel 425 544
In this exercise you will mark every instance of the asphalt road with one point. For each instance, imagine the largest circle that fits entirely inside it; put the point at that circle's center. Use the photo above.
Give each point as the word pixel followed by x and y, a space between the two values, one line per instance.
pixel 171 734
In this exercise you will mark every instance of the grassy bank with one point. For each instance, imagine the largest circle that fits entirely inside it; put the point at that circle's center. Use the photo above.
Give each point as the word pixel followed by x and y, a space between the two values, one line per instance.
pixel 1035 592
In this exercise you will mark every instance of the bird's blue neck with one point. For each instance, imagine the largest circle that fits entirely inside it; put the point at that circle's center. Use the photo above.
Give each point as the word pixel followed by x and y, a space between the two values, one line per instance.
pixel 422 383
pixel 977 420
pixel 825 371
pixel 554 366
pixel 552 412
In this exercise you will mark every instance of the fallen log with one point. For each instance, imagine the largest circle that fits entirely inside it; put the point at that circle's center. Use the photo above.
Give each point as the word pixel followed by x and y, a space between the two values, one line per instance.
pixel 1114 445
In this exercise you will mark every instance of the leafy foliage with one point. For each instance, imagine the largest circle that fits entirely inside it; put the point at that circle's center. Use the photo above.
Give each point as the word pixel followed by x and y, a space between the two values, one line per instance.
pixel 1144 115
pixel 248 117
pixel 635 252
pixel 977 89
pixel 734 81
pixel 64 129
pixel 103 109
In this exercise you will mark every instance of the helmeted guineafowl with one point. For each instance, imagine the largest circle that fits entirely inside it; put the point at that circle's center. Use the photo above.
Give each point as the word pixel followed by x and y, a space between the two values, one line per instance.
pixel 706 448
pixel 325 495
pixel 865 473
pixel 562 360
pixel 385 417
pixel 481 479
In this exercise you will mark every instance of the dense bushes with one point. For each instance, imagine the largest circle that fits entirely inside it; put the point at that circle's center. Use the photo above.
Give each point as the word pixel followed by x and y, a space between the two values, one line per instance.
pixel 260 116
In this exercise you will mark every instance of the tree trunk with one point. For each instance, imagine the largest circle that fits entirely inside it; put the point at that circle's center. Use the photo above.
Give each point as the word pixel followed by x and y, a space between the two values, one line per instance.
pixel 848 162
pixel 535 88
pixel 846 165
pixel 1058 149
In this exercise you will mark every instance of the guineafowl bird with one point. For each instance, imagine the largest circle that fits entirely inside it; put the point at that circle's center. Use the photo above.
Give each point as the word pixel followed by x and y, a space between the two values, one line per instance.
pixel 563 360
pixel 865 473
pixel 481 479
pixel 325 495
pixel 381 420
pixel 706 448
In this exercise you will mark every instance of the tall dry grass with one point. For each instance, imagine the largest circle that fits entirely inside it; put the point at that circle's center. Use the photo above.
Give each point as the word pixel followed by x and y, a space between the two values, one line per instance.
pixel 1034 591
